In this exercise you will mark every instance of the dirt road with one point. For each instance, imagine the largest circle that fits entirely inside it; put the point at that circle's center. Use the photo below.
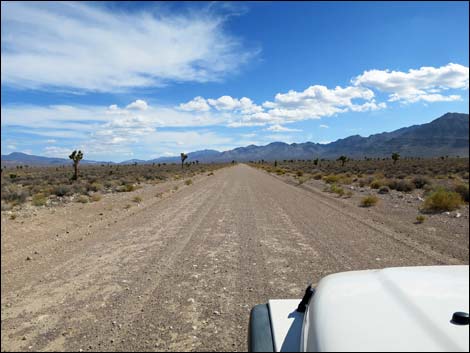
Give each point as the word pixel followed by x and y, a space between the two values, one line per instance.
pixel 182 271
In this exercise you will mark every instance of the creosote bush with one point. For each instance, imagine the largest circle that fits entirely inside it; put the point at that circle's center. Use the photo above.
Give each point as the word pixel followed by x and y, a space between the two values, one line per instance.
pixel 62 190
pixel 369 201
pixel 421 181
pixel 442 200
pixel 462 189
pixel 384 190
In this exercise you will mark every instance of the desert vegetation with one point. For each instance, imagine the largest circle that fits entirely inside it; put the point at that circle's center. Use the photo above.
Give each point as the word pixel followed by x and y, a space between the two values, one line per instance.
pixel 441 183
pixel 50 185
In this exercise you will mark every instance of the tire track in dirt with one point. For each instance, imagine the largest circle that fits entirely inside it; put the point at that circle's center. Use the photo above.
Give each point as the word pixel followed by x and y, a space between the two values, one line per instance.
pixel 183 272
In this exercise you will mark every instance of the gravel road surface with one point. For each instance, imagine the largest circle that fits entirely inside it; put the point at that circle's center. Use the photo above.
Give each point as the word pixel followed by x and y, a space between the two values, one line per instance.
pixel 181 271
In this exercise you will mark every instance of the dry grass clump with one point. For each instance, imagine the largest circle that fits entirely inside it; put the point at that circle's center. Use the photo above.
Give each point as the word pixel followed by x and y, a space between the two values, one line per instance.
pixel 39 200
pixel 95 197
pixel 369 201
pixel 331 179
pixel 442 200
pixel 188 182
pixel 137 199
pixel 420 219
pixel 83 199
pixel 338 190
pixel 126 188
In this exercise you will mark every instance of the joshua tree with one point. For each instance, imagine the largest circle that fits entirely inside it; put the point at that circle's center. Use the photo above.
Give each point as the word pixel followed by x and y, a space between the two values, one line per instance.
pixel 315 161
pixel 343 160
pixel 275 163
pixel 395 157
pixel 76 157
pixel 183 158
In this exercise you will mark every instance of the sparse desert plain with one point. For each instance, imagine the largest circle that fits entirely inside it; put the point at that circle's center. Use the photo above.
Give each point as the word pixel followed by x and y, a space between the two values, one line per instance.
pixel 177 265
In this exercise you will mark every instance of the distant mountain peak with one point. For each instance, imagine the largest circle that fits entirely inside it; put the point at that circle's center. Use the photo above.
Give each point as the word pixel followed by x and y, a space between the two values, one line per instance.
pixel 446 135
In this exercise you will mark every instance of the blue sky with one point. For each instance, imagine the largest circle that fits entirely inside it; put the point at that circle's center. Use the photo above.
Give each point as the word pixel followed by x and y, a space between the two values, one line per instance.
pixel 142 80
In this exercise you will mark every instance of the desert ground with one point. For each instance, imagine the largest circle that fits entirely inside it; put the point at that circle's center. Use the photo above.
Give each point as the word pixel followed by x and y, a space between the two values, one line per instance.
pixel 180 268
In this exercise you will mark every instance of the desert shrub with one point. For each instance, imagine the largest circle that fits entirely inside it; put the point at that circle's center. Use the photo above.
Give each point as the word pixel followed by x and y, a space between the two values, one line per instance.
pixel 280 171
pixel 83 199
pixel 442 200
pixel 109 183
pixel 137 199
pixel 401 185
pixel 365 181
pixel 188 182
pixel 384 190
pixel 14 193
pixel 420 219
pixel 337 190
pixel 317 176
pixel 421 181
pixel 95 187
pixel 376 183
pixel 369 201
pixel 331 179
pixel 95 197
pixel 126 188
pixel 13 216
pixel 209 174
pixel 348 194
pixel 79 188
pixel 6 206
pixel 62 190
pixel 302 180
pixel 462 189
pixel 39 200
pixel 299 173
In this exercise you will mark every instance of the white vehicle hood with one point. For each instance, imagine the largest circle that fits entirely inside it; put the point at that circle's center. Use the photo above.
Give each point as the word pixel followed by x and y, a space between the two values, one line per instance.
pixel 395 309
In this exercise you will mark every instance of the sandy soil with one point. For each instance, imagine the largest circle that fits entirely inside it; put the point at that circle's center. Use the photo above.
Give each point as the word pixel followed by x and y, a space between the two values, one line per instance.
pixel 181 270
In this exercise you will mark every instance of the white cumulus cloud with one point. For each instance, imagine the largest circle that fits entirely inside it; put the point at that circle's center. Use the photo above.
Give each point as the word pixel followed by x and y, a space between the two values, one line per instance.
pixel 139 104
pixel 279 128
pixel 197 104
pixel 423 84
pixel 86 47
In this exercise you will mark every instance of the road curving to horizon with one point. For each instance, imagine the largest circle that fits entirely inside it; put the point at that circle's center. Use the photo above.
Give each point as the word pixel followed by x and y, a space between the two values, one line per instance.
pixel 182 272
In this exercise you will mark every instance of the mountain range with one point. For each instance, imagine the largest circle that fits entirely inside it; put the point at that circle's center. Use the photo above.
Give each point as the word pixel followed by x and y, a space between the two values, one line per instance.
pixel 446 135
